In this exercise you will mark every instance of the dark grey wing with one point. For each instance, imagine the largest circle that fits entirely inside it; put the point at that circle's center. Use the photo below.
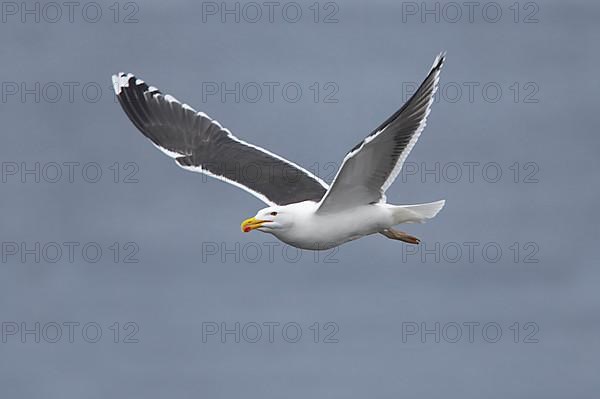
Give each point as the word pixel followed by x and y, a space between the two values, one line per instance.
pixel 201 144
pixel 371 166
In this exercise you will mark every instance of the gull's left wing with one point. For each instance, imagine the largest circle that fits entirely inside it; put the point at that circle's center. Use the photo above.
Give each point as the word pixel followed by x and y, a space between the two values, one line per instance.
pixel 199 143
pixel 371 166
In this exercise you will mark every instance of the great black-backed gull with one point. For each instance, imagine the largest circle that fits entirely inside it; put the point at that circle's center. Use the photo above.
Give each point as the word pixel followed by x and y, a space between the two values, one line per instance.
pixel 303 210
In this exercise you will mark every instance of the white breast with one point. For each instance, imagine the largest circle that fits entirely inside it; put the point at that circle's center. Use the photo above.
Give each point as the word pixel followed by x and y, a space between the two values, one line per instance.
pixel 318 232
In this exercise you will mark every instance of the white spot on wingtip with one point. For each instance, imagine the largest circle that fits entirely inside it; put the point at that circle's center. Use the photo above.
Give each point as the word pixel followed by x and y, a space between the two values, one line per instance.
pixel 171 99
pixel 121 80
pixel 440 57
pixel 116 86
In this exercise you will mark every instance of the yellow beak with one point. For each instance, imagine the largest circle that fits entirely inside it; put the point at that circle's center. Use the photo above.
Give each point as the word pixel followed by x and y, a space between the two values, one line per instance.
pixel 251 224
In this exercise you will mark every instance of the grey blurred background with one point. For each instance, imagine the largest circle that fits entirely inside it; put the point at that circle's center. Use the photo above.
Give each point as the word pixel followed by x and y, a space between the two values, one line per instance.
pixel 174 263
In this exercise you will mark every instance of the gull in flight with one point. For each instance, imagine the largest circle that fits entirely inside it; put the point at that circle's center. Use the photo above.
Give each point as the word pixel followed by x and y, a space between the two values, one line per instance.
pixel 303 210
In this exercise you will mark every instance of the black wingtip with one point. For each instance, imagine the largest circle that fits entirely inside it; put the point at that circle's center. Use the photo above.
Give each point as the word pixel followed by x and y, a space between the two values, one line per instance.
pixel 439 61
pixel 127 81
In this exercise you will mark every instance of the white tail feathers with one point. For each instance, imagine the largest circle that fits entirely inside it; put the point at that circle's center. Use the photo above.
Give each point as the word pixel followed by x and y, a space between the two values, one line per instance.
pixel 418 213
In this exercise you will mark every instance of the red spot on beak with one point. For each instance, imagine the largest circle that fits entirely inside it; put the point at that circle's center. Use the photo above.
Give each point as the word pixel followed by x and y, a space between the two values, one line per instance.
pixel 247 229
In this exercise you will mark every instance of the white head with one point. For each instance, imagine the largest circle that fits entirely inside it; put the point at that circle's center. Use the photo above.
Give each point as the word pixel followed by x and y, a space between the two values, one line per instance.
pixel 270 220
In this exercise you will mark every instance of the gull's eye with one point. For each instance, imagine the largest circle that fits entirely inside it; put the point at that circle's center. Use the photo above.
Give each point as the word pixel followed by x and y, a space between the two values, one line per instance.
pixel 273 213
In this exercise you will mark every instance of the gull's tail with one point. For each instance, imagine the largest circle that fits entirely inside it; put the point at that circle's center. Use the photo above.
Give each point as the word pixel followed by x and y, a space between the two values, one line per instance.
pixel 418 213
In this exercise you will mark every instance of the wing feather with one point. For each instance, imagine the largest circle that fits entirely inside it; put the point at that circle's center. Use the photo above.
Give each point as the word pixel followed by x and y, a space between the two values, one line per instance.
pixel 372 165
pixel 201 144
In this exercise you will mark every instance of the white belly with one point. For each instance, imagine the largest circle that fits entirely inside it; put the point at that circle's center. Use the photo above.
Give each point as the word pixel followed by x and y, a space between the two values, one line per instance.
pixel 319 232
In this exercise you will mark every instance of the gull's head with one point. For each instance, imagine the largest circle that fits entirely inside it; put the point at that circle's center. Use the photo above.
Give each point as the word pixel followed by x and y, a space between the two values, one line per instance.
pixel 268 220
